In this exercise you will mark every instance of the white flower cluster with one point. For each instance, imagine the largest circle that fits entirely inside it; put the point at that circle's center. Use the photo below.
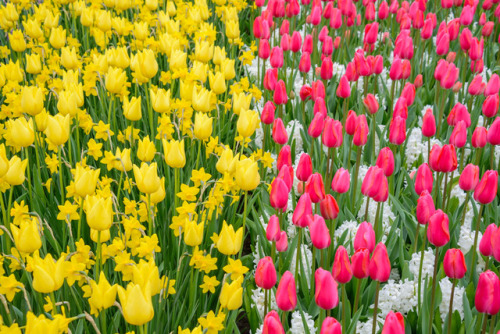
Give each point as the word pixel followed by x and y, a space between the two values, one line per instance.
pixel 466 240
pixel 366 327
pixel 427 265
pixel 297 325
pixel 446 285
pixel 398 297
pixel 351 226
pixel 416 145
pixel 258 295
pixel 294 129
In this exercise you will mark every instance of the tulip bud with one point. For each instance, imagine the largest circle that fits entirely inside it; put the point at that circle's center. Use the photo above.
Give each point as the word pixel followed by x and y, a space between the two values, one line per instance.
pixel 341 271
pixel 380 265
pixel 487 298
pixel 265 274
pixel 320 235
pixel 454 264
pixel 272 324
pixel 279 194
pixel 438 232
pixel 279 133
pixel 273 229
pixel 315 187
pixel 341 181
pixel 486 243
pixel 385 160
pixel 486 190
pixel 469 177
pixel 425 207
pixel 326 294
pixel 267 116
pixel 329 208
pixel 286 294
pixel 365 237
pixel 343 89
pixel 316 126
pixel 304 167
pixel 360 136
pixel 280 96
pixel 394 323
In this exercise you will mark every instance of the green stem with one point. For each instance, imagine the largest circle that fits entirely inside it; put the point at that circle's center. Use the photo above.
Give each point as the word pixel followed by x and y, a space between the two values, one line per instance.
pixel 61 184
pixel 420 268
pixel 474 247
pixel 375 309
pixel 355 184
pixel 356 298
pixel 297 256
pixel 377 214
pixel 450 311
pixel 244 219
pixel 433 293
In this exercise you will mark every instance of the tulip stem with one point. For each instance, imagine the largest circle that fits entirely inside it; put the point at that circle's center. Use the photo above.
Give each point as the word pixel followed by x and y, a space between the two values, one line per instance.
pixel 450 311
pixel 98 256
pixel 377 221
pixel 244 219
pixel 485 321
pixel 417 232
pixel 492 323
pixel 474 247
pixel 428 150
pixel 297 256
pixel 61 184
pixel 433 293
pixel 420 268
pixel 465 208
pixel 265 302
pixel 366 209
pixel 356 297
pixel 444 191
pixel 492 160
pixel 374 324
pixel 355 184
pixel 344 305
pixel 150 220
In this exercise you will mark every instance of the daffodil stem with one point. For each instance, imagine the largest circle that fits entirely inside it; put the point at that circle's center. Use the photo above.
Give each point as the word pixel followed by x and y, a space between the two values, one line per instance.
pixel 150 219
pixel 28 171
pixel 79 227
pixel 198 155
pixel 433 291
pixel 375 308
pixel 61 184
pixel 450 311
pixel 474 247
pixel 245 200
pixel 98 256
pixel 176 186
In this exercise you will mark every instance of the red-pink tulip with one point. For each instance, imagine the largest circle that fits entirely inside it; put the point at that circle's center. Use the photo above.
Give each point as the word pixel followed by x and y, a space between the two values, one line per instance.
pixel 486 190
pixel 360 136
pixel 326 294
pixel 273 229
pixel 397 131
pixel 332 133
pixel 351 122
pixel 428 124
pixel 493 134
pixel 380 265
pixel 493 85
pixel 360 262
pixel 458 136
pixel 375 184
pixel 341 181
pixel 423 179
pixel 267 116
pixel 425 208
pixel 315 187
pixel 302 213
pixel 280 96
pixel 342 271
pixel 479 137
pixel 329 208
pixel 385 160
pixel 394 323
pixel 265 274
pixel 279 194
pixel 476 87
pixel 282 243
pixel 320 235
pixel 487 298
pixel 279 133
pixel 443 159
pixel 371 103
pixel 284 158
pixel 469 178
pixel 459 113
pixel 486 243
pixel 304 167
pixel 343 89
pixel 316 127
pixel 305 62
pixel 490 105
pixel 331 325
pixel 454 264
pixel 286 294
pixel 365 237
pixel 438 232
pixel 272 324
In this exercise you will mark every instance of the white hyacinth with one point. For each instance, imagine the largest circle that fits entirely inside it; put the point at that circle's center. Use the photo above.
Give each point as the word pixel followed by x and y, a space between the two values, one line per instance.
pixel 427 266
pixel 258 301
pixel 297 325
pixel 444 307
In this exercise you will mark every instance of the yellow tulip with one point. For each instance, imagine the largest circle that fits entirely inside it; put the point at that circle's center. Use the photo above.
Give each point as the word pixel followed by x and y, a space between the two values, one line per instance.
pixel 141 30
pixel 148 64
pixel 15 174
pixel 203 51
pixel 132 108
pixel 118 57
pixel 168 44
pixel 67 103
pixel 115 80
pixel 41 120
pixel 160 194
pixel 32 100
pixel 69 59
pixel 224 163
pixel 193 233
pixel 202 126
pixel 232 29
pixel 41 324
pixel 33 64
pixel 48 275
pixel 217 82
pixel 187 87
pixel 229 241
pixel 219 55
pixel 146 274
pixel 201 99
pixel 27 236
pixel 85 180
pixel 199 71
pixel 146 178
pixel 4 162
pixel 57 130
pixel 136 304
pixel 99 212
pixel 103 294
pixel 171 9
pixel 51 20
pixel 105 235
pixel 17 42
pixel 247 174
pixel 122 160
pixel 57 37
pixel 231 295
pixel 87 17
pixel 33 29
pixel 152 4
pixel 103 20
pixel 247 122
pixel 177 60
pixel 146 150
pixel 160 100
pixel 20 132
pixel 13 72
pixel 227 68
pixel 175 155
pixel 241 102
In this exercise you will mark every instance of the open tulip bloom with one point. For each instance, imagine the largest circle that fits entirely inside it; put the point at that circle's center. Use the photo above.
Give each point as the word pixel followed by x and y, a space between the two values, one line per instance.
pixel 250 166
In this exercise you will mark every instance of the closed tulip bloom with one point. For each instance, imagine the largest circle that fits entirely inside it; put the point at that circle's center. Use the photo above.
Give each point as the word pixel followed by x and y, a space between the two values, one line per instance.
pixel 32 100
pixel 320 107
pixel 20 132
pixel 175 155
pixel 16 172
pixel 394 323
pixel 115 80
pixel 375 184
pixel 443 159
pixel 146 150
pixel 193 233
pixel 161 100
pixel 267 115
pixel 425 207
pixel 487 298
pixel 454 263
pixel 428 124
pixel 469 177
pixel 279 134
pixel 360 262
pixel 4 161
pixel 33 64
pixel 351 122
pixel 302 213
pixel 316 126
pixel 342 271
pixel 458 137
pixel 273 229
pixel 284 158
pixel 276 57
pixel 493 134
pixel 371 103
pixel 132 108
pixel 229 241
pixel 265 274
pixel 423 179
pixel 344 88
pixel 341 181
pixel 85 180
pixel 315 187
pixel 331 326
pixel 491 105
pixel 247 174
pixel 486 190
pixel 27 236
pixel 385 160
pixel 305 63
pixel 486 244
pixel 99 211
pixel 360 136
pixel 57 37
pixel 278 196
pixel 48 274
pixel 103 294
pixel 286 294
pixel 326 293
pixel 320 235
pixel 438 232
pixel 248 122
pixel 122 160
pixel 332 133
pixel 272 324
pixel 136 304
pixel 397 130
pixel 365 237
pixel 282 243
pixel 304 167
pixel 329 208
pixel 58 128
pixel 280 96
pixel 380 265
pixel 493 85
pixel 146 178
pixel 479 137
pixel 231 296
